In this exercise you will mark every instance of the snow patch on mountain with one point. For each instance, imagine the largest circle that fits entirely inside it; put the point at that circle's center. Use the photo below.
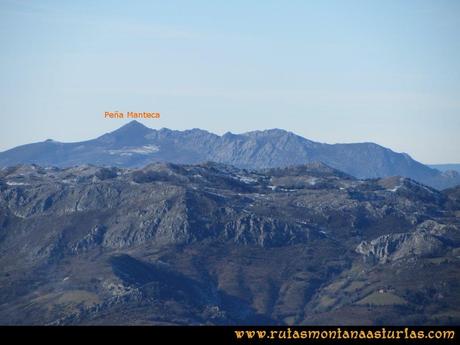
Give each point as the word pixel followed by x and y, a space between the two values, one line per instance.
pixel 129 151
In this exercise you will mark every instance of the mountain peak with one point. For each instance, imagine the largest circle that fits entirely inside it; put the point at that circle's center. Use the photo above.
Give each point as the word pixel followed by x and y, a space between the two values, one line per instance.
pixel 131 134
pixel 134 124
pixel 132 127
pixel 269 132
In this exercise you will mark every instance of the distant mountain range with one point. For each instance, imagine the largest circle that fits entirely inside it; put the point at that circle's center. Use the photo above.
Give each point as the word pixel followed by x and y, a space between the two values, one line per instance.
pixel 135 145
pixel 445 167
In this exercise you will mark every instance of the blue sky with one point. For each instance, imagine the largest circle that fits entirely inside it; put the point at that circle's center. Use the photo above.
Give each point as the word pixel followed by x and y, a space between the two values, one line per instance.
pixel 332 71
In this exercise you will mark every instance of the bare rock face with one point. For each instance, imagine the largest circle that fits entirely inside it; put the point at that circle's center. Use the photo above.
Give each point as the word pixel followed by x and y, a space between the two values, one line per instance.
pixel 213 244
pixel 430 239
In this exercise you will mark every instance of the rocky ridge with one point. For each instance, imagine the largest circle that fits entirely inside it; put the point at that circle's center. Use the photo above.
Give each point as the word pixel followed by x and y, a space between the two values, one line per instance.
pixel 214 244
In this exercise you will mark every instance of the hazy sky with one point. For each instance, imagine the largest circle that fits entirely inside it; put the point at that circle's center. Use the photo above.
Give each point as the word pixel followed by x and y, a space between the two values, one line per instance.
pixel 332 71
